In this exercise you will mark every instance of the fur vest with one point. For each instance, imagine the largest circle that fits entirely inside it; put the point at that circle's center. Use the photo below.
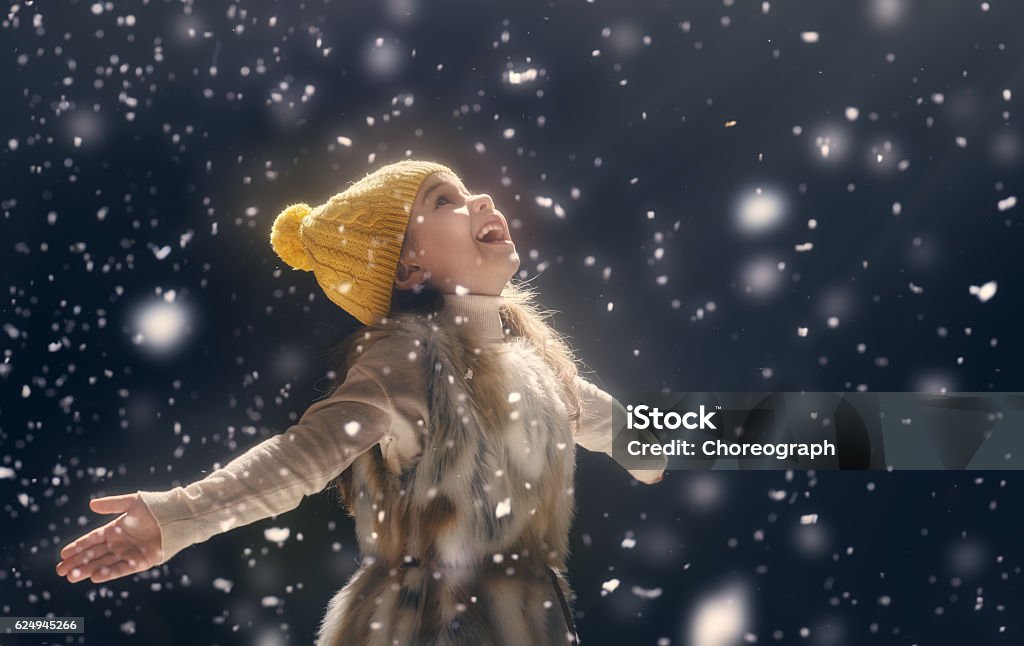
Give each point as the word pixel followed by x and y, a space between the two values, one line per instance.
pixel 468 543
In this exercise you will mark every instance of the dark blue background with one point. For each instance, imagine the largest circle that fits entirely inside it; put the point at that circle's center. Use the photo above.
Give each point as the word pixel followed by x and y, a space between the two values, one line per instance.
pixel 198 150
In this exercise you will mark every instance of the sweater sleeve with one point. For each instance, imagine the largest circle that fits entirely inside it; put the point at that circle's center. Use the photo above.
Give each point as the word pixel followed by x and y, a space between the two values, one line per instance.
pixel 273 476
pixel 596 433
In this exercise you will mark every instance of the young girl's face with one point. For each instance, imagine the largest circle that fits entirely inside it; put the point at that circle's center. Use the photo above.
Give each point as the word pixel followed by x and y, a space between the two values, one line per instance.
pixel 456 238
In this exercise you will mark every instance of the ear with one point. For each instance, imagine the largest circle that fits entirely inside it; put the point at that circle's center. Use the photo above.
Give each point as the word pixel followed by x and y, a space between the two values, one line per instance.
pixel 409 273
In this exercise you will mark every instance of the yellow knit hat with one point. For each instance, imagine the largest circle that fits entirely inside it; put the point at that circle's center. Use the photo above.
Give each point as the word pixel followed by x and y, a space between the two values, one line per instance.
pixel 353 241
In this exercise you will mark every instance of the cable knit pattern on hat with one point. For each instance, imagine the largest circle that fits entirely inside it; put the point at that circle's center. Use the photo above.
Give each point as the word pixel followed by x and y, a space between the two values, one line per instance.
pixel 352 242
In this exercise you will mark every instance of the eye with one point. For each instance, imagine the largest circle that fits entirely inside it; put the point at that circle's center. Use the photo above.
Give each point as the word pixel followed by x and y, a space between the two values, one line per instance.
pixel 437 203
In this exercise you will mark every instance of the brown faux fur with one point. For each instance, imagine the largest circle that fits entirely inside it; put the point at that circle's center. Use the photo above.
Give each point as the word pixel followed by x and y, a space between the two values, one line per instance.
pixel 460 547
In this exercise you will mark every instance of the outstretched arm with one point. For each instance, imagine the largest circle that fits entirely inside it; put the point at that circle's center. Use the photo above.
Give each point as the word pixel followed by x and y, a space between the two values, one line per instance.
pixel 596 432
pixel 274 476
pixel 268 479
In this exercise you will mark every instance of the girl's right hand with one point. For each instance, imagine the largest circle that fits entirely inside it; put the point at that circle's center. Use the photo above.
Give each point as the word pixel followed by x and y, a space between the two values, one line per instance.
pixel 126 545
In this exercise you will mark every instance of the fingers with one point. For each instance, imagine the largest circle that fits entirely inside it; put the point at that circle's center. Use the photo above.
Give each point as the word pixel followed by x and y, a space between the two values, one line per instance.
pixel 115 571
pixel 101 567
pixel 112 504
pixel 109 505
pixel 81 569
pixel 85 570
pixel 92 568
pixel 76 546
pixel 81 560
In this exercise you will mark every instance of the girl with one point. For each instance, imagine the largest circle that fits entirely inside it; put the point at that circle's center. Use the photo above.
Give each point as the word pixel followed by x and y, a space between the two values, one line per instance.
pixel 453 424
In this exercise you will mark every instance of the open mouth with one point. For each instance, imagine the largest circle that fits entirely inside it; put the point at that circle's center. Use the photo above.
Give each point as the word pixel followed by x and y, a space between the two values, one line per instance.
pixel 493 232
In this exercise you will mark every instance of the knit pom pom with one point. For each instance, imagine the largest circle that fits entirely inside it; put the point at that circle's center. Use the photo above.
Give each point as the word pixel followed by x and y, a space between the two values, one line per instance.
pixel 284 237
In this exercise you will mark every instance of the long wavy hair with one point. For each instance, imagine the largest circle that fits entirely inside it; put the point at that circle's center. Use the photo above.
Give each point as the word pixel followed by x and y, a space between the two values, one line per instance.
pixel 521 315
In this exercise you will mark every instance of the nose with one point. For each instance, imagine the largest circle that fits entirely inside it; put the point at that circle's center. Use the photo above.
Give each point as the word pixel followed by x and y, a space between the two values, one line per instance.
pixel 481 202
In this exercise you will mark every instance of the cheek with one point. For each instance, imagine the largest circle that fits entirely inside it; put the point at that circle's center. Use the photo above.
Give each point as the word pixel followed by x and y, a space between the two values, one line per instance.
pixel 443 243
pixel 428 245
pixel 417 237
pixel 450 251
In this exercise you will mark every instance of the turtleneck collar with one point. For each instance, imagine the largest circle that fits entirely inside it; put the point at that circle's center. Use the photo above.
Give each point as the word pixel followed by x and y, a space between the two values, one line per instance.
pixel 478 314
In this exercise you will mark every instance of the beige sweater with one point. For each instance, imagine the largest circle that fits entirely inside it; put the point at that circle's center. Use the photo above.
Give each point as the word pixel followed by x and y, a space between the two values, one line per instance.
pixel 381 402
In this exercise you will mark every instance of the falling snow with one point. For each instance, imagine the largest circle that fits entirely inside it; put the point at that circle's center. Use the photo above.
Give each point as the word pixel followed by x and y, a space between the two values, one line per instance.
pixel 150 335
